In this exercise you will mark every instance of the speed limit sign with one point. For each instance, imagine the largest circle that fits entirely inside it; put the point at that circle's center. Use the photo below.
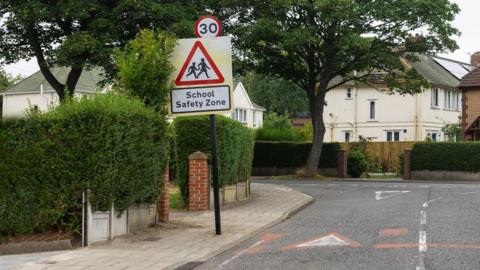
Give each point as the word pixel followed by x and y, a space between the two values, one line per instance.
pixel 208 27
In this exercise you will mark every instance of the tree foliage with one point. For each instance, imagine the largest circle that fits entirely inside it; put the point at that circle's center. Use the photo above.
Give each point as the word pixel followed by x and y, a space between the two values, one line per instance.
pixel 83 33
pixel 144 67
pixel 7 80
pixel 323 44
pixel 275 94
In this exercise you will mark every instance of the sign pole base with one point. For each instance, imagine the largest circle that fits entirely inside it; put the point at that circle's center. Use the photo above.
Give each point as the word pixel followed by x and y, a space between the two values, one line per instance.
pixel 216 188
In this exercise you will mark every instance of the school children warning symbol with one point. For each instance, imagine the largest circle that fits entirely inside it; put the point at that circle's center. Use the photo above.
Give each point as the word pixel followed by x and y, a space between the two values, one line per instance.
pixel 199 68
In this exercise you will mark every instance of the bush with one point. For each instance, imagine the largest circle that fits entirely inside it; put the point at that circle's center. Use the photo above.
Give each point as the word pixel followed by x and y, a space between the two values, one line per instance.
pixel 110 145
pixel 234 148
pixel 357 163
pixel 277 128
pixel 446 157
pixel 292 154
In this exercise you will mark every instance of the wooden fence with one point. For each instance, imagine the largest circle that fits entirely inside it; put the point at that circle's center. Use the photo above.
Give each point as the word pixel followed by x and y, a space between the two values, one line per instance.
pixel 386 153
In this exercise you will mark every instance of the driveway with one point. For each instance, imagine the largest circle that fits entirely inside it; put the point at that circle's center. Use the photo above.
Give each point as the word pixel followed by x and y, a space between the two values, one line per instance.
pixel 369 225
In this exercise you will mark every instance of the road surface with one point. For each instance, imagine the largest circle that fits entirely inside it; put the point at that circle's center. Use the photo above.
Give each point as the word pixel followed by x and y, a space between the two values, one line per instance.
pixel 369 225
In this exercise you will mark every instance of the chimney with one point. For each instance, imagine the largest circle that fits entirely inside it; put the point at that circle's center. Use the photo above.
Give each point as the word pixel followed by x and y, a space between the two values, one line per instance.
pixel 475 60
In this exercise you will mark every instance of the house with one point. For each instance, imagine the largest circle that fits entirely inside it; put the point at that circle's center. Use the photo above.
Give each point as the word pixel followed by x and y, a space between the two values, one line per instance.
pixel 245 110
pixel 470 87
pixel 355 111
pixel 34 92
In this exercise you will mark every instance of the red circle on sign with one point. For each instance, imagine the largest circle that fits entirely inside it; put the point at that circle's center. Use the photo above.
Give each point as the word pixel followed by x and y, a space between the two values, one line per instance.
pixel 215 19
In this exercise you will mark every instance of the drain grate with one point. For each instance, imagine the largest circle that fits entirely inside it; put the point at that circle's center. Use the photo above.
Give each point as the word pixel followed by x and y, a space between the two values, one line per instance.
pixel 151 239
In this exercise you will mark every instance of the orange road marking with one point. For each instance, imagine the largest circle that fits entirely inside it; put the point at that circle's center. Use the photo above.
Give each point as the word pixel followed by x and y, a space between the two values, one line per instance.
pixel 393 232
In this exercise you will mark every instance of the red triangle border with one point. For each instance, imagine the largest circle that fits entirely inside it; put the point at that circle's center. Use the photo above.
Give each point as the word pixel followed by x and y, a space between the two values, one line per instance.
pixel 199 45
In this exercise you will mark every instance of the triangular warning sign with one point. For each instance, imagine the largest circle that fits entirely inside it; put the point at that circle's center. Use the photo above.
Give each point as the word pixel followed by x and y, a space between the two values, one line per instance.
pixel 328 240
pixel 199 68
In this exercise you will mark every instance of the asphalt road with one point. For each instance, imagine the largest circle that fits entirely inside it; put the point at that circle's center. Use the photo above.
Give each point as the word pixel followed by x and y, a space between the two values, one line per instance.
pixel 369 225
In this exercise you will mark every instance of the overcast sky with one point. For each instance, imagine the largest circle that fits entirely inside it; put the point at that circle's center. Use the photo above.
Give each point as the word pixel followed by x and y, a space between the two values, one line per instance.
pixel 466 22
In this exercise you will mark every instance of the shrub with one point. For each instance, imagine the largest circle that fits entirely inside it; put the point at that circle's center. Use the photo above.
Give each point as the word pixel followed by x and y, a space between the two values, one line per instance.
pixel 292 154
pixel 277 128
pixel 357 163
pixel 110 145
pixel 234 148
pixel 446 157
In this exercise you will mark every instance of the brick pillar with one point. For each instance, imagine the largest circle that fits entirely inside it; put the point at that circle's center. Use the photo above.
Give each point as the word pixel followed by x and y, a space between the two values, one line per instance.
pixel 163 203
pixel 407 172
pixel 198 186
pixel 342 164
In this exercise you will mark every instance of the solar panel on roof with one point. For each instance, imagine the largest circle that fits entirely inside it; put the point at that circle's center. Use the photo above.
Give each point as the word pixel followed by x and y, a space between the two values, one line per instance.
pixel 456 69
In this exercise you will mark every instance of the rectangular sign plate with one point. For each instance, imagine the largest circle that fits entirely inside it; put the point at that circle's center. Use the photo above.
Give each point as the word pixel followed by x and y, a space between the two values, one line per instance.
pixel 201 99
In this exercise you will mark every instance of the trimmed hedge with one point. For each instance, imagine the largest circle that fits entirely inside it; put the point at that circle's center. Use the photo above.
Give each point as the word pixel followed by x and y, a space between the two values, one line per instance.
pixel 292 154
pixel 234 148
pixel 111 145
pixel 446 157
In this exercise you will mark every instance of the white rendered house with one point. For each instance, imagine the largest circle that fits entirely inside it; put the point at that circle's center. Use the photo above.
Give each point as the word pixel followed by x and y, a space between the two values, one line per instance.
pixel 34 92
pixel 355 110
pixel 245 110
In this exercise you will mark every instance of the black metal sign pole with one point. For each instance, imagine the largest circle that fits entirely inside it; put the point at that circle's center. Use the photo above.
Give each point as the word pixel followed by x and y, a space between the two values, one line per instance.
pixel 216 192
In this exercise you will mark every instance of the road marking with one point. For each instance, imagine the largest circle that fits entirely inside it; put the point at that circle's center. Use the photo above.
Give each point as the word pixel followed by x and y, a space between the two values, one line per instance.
pixel 380 195
pixel 422 241
pixel 392 232
pixel 332 239
pixel 423 217
pixel 425 204
pixel 429 246
pixel 254 248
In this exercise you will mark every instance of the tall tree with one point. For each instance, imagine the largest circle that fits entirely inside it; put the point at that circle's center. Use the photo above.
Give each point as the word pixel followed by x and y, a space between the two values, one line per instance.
pixel 275 94
pixel 323 44
pixel 80 34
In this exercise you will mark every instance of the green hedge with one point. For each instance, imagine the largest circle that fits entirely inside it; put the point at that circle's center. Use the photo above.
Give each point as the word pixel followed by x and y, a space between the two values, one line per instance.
pixel 111 145
pixel 446 157
pixel 292 154
pixel 234 148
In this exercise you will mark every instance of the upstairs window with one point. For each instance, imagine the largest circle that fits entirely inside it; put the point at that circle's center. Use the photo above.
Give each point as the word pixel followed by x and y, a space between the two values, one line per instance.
pixel 451 100
pixel 372 110
pixel 435 102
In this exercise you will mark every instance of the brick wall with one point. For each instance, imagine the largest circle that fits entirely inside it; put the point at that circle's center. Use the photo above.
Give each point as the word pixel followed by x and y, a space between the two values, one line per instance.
pixel 163 204
pixel 470 108
pixel 198 185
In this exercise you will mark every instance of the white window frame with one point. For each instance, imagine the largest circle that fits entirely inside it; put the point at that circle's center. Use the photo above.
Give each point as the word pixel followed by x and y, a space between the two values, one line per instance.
pixel 392 134
pixel 435 97
pixel 372 110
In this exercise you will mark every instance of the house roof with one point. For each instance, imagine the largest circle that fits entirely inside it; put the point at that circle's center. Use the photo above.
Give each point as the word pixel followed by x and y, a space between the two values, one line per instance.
pixel 88 81
pixel 471 80
pixel 435 70
pixel 258 107
pixel 438 71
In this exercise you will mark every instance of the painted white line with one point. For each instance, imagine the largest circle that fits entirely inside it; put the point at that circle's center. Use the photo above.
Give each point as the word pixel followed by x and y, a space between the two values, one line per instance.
pixel 422 241
pixel 423 217
pixel 380 195
pixel 220 266
pixel 425 204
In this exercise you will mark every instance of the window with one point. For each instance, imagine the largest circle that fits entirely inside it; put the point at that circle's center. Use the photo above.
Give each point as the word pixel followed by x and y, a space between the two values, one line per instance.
pixel 348 135
pixel 433 135
pixel 435 102
pixel 372 110
pixel 451 100
pixel 393 136
pixel 240 115
pixel 349 93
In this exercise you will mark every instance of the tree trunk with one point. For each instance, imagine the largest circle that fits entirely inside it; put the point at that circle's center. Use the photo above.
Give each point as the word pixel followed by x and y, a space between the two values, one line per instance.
pixel 318 124
pixel 72 79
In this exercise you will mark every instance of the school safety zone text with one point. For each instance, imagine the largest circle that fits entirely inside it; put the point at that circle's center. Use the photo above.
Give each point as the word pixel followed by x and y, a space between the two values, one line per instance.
pixel 213 98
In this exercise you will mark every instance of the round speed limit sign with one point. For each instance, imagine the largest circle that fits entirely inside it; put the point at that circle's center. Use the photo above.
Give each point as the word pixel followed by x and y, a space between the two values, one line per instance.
pixel 208 27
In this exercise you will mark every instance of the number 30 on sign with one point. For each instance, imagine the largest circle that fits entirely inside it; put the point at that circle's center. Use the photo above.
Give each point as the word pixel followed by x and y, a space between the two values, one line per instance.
pixel 208 27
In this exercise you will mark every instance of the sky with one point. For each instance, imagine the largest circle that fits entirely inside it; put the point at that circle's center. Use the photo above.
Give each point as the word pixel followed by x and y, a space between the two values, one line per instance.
pixel 467 22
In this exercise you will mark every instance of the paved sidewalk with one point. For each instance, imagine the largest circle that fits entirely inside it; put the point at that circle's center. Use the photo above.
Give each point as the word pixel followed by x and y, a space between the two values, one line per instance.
pixel 189 238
